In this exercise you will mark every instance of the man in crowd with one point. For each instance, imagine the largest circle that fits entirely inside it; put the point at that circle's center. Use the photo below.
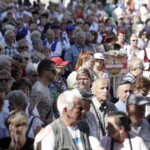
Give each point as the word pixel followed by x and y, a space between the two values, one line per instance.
pixel 135 105
pixel 40 94
pixel 125 88
pixel 101 106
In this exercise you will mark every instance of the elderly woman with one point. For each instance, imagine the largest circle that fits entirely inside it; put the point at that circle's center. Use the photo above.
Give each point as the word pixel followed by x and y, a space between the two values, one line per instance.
pixel 85 60
pixel 31 71
pixel 18 100
pixel 17 124
pixel 119 137
pixel 135 69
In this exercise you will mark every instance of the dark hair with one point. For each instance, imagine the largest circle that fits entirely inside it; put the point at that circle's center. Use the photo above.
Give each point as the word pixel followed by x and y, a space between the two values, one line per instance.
pixel 23 81
pixel 121 119
pixel 43 65
pixel 122 82
pixel 141 32
pixel 95 35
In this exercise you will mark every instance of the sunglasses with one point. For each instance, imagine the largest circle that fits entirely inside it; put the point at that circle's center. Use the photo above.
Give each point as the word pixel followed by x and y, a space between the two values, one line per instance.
pixel 134 40
pixel 23 47
pixel 6 80
pixel 54 71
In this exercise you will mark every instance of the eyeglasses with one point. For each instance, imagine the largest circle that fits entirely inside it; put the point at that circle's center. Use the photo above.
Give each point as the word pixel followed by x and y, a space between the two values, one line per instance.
pixel 82 79
pixel 26 58
pixel 54 71
pixel 34 75
pixel 145 34
pixel 23 47
pixel 19 125
pixel 134 40
pixel 6 80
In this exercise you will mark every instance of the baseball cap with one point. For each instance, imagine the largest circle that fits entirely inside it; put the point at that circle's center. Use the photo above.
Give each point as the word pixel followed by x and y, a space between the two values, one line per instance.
pixel 99 56
pixel 70 28
pixel 85 94
pixel 136 99
pixel 55 26
pixel 59 61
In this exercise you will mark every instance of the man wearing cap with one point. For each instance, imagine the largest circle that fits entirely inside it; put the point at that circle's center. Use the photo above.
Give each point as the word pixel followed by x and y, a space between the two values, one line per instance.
pixel 135 105
pixel 101 106
pixel 59 85
pixel 54 45
pixel 125 88
pixel 69 132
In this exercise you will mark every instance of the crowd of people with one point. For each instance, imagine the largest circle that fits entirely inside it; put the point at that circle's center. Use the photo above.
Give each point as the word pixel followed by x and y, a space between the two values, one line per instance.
pixel 54 91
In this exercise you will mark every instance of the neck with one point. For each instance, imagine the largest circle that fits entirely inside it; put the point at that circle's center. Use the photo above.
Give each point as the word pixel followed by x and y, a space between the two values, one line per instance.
pixel 79 45
pixel 9 44
pixel 122 137
pixel 68 121
pixel 135 122
pixel 97 69
pixel 44 81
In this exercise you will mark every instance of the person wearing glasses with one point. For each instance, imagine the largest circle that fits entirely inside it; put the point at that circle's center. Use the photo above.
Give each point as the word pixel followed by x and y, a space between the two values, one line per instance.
pixel 40 94
pixel 133 50
pixel 23 46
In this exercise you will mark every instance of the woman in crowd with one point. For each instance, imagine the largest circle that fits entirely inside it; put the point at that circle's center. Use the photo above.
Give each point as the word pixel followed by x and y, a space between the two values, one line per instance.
pixel 99 63
pixel 119 137
pixel 142 39
pixel 17 124
pixel 85 60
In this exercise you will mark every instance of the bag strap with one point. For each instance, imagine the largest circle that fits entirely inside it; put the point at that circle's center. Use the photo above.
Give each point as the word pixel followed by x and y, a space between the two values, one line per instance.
pixel 30 124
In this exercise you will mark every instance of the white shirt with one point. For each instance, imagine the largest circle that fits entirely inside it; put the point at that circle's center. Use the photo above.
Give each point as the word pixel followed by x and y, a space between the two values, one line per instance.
pixel 121 106
pixel 48 142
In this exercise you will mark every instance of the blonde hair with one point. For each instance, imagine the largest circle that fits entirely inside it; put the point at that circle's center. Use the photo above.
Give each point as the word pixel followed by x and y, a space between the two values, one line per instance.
pixel 16 117
pixel 135 63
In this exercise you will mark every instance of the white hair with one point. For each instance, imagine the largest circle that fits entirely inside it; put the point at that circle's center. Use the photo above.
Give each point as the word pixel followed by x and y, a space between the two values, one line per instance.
pixel 66 100
pixel 5 59
pixel 31 67
pixel 7 32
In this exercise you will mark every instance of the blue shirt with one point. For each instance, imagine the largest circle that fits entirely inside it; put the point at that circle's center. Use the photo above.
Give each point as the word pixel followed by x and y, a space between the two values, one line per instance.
pixel 73 52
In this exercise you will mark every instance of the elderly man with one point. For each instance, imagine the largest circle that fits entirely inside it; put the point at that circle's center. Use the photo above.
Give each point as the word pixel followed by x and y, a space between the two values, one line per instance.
pixel 69 132
pixel 136 111
pixel 9 43
pixel 54 45
pixel 101 106
pixel 125 88
pixel 73 52
pixel 40 94
pixel 23 46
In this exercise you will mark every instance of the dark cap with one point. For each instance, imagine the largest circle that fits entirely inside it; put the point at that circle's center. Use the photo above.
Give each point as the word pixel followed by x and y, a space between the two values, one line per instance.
pixel 136 99
pixel 70 28
pixel 85 94
pixel 55 26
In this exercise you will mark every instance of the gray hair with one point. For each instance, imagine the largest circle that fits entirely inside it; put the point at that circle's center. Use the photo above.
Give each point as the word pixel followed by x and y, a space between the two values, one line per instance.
pixel 7 33
pixel 80 33
pixel 36 57
pixel 66 100
pixel 21 41
pixel 5 60
pixel 18 97
pixel 5 73
pixel 35 33
pixel 9 27
pixel 31 67
pixel 36 41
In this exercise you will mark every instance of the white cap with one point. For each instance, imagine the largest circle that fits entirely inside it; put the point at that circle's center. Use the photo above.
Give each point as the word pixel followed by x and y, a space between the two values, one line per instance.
pixel 99 56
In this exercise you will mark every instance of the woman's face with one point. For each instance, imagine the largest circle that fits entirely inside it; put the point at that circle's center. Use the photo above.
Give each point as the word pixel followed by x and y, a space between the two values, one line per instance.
pixel 89 64
pixel 83 81
pixel 99 63
pixel 144 35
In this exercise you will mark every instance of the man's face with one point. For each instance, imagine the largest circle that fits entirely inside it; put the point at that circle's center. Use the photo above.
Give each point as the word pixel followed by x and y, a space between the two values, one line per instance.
pixel 124 90
pixel 136 111
pixel 101 90
pixel 81 40
pixel 60 70
pixel 134 41
pixel 5 82
pixel 76 113
pixel 51 73
pixel 23 47
pixel 50 36
pixel 11 37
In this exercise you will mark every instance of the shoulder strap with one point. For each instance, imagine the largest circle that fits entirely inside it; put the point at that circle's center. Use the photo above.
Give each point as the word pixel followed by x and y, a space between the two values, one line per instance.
pixel 30 124
pixel 100 123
